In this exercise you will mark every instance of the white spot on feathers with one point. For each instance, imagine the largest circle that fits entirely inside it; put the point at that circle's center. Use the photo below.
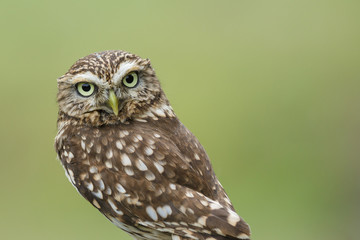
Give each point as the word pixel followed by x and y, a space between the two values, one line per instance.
pixel 108 164
pixel 108 191
pixel 190 211
pixel 123 133
pixel 71 174
pixel 189 194
pixel 150 141
pixel 175 237
pixel 119 145
pixel 161 211
pixel 109 153
pixel 83 145
pixel 151 212
pixel 113 206
pixel 97 177
pixel 140 120
pixel 182 209
pixel 120 188
pixel 205 203
pixel 101 184
pixel 89 186
pixel 159 167
pixel 98 194
pixel 96 204
pixel 233 218
pixel 215 205
pixel 167 209
pixel 202 220
pixel 135 139
pixel 160 112
pixel 130 149
pixel 243 236
pixel 125 160
pixel 159 156
pixel 84 175
pixel 129 171
pixel 218 231
pixel 141 165
pixel 148 151
pixel 149 176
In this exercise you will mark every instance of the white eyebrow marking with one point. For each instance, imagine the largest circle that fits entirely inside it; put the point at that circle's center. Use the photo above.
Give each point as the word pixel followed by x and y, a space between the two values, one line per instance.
pixel 124 68
pixel 88 77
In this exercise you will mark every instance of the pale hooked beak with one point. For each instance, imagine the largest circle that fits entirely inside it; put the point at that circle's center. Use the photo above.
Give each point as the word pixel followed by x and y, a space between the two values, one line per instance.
pixel 113 102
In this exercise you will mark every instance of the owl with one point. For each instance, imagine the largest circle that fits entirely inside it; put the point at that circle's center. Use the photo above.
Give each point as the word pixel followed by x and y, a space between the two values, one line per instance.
pixel 126 152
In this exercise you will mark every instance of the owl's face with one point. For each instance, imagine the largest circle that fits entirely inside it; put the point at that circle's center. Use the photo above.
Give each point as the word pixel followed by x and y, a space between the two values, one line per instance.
pixel 112 85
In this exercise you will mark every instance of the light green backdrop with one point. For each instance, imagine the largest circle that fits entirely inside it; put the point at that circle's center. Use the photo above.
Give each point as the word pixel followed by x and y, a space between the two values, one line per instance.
pixel 271 89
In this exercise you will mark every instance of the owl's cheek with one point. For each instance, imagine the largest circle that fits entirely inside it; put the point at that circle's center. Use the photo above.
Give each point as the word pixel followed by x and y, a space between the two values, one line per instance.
pixel 80 106
pixel 71 109
pixel 76 109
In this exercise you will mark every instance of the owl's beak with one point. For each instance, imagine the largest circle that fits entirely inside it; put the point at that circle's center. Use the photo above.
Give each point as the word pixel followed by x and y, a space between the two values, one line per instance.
pixel 113 102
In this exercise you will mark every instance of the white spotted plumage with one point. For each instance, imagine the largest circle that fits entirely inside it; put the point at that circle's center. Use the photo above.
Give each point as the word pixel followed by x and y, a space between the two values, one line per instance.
pixel 134 160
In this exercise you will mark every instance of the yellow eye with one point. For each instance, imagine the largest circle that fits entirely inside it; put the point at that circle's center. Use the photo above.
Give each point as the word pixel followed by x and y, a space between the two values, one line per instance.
pixel 85 89
pixel 131 80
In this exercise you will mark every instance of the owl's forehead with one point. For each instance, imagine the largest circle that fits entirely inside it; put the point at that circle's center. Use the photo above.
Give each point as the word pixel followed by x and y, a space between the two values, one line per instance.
pixel 107 66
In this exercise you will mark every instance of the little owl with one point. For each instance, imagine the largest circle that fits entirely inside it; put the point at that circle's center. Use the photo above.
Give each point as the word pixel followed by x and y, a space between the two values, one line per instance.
pixel 126 152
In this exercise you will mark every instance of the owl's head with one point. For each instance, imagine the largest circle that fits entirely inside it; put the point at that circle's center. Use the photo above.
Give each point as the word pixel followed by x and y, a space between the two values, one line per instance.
pixel 111 86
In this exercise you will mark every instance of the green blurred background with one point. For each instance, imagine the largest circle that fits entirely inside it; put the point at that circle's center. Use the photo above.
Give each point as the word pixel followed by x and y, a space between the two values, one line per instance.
pixel 271 89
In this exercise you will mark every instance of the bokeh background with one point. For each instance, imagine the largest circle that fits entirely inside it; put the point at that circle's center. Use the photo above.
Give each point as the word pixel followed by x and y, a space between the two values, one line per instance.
pixel 271 89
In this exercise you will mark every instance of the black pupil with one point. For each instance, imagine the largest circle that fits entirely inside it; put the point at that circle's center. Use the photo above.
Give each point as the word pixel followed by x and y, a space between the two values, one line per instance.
pixel 129 79
pixel 86 87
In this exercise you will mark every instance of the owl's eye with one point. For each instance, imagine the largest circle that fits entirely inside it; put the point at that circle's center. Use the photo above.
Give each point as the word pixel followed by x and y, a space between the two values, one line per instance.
pixel 85 89
pixel 131 80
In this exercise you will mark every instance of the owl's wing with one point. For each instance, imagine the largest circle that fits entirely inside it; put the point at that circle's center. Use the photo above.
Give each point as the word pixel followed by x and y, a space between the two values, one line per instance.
pixel 174 209
pixel 140 178
pixel 194 154
pixel 174 150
